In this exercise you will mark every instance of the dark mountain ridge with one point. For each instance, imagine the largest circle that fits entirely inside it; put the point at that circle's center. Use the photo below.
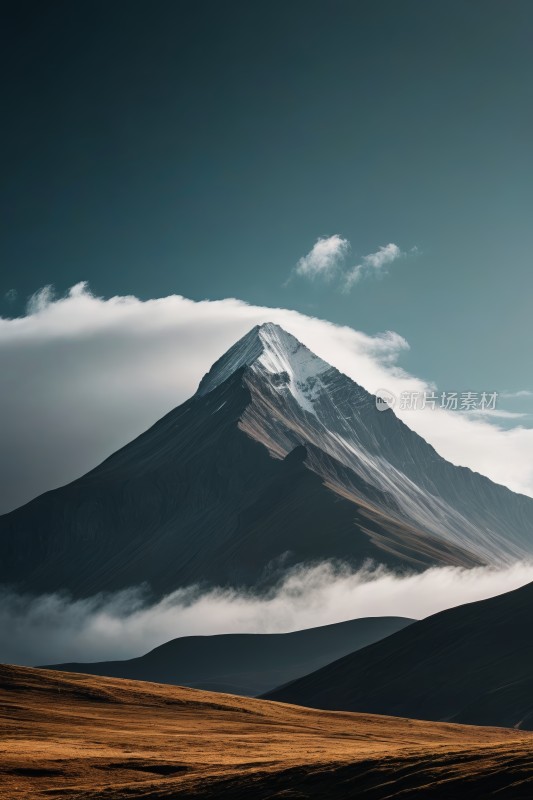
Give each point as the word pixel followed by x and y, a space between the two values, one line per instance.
pixel 245 663
pixel 470 664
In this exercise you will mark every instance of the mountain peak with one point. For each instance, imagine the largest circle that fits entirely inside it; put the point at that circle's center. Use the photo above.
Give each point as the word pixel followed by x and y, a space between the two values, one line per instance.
pixel 269 349
pixel 269 328
pixel 270 334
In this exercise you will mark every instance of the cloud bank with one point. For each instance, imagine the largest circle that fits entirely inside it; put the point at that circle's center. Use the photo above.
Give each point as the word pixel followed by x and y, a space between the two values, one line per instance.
pixel 82 376
pixel 52 629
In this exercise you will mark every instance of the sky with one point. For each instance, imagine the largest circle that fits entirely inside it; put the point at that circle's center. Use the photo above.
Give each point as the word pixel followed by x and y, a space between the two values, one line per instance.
pixel 202 148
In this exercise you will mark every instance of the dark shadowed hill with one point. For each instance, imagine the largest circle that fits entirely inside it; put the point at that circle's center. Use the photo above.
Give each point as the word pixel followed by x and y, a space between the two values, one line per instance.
pixel 245 664
pixel 278 460
pixel 471 664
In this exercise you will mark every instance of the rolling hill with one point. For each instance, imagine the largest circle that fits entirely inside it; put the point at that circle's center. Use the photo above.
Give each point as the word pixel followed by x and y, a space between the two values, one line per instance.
pixel 245 663
pixel 470 664
pixel 90 738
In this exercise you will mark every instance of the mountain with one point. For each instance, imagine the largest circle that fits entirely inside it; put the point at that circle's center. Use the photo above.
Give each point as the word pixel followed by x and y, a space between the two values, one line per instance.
pixel 470 664
pixel 277 460
pixel 245 663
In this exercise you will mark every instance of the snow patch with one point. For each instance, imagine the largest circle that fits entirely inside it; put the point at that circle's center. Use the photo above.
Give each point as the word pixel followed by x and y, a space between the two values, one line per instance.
pixel 270 349
pixel 283 354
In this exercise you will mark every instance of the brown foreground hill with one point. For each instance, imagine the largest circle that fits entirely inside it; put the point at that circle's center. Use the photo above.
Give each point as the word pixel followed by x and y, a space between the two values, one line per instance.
pixel 74 736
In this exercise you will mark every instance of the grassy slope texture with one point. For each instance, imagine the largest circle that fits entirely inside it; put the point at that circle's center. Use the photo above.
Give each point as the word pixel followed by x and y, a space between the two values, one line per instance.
pixel 72 736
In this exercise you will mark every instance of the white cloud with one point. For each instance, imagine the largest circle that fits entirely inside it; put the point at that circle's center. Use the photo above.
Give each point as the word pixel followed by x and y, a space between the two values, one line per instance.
pixel 324 259
pixel 373 263
pixel 328 254
pixel 40 299
pixel 497 412
pixel 52 629
pixel 82 376
pixel 385 255
pixel 516 395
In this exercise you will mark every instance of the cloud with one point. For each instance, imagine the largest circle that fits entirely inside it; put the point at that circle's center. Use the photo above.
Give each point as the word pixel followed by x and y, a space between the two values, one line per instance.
pixel 324 259
pixel 54 629
pixel 516 395
pixel 41 299
pixel 497 412
pixel 373 263
pixel 11 295
pixel 82 376
pixel 328 254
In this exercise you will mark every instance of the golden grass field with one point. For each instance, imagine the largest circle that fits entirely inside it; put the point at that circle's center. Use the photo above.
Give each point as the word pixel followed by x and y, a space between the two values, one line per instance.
pixel 64 735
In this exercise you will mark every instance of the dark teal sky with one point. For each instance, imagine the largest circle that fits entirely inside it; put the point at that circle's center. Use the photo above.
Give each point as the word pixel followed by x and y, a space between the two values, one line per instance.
pixel 201 148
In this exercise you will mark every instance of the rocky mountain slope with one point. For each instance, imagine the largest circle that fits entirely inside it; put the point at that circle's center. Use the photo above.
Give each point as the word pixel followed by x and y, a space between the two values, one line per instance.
pixel 278 460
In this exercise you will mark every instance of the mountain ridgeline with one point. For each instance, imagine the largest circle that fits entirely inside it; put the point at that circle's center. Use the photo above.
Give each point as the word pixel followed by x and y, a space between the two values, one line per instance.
pixel 245 663
pixel 471 664
pixel 278 460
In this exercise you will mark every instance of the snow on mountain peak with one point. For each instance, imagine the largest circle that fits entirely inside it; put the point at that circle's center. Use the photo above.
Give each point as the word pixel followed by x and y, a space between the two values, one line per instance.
pixel 270 349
